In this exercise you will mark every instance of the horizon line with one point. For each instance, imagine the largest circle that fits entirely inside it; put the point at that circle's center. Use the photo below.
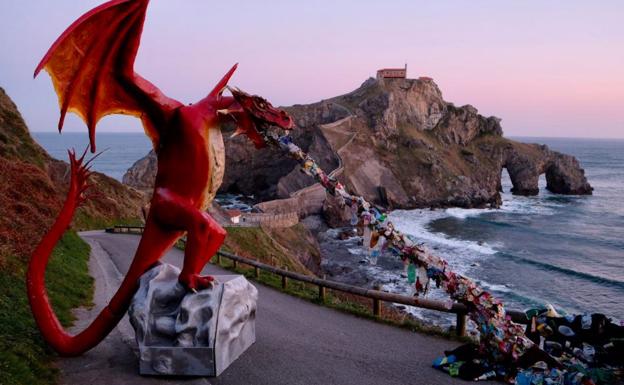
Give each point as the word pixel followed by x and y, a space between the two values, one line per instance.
pixel 504 136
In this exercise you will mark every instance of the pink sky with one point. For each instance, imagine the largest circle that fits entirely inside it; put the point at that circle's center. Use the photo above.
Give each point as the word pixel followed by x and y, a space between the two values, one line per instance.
pixel 551 68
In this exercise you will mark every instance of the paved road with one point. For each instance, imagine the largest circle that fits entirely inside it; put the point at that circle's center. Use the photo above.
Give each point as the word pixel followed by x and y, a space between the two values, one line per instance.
pixel 297 342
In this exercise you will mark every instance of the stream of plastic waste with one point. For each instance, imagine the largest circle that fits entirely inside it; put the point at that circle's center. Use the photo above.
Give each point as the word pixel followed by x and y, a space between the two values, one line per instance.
pixel 502 341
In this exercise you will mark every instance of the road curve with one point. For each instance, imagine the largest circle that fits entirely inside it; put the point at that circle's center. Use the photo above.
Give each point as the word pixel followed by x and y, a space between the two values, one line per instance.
pixel 297 342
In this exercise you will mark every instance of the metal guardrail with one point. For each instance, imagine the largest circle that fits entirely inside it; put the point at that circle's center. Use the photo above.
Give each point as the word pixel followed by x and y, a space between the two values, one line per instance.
pixel 377 296
pixel 126 229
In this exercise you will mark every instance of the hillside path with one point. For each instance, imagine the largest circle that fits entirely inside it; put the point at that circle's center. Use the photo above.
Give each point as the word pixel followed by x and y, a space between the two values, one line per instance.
pixel 297 342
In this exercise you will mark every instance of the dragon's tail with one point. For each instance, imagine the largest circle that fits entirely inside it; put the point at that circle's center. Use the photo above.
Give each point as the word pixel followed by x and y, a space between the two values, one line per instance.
pixel 51 329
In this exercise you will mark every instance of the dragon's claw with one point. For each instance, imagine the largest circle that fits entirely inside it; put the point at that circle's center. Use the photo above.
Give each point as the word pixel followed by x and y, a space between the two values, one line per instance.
pixel 196 282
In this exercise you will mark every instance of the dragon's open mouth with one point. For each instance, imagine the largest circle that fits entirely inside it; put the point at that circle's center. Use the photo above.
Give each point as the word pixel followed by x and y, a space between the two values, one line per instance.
pixel 256 117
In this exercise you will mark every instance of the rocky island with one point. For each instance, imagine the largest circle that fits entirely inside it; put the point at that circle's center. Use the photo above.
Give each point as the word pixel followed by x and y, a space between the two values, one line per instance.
pixel 399 144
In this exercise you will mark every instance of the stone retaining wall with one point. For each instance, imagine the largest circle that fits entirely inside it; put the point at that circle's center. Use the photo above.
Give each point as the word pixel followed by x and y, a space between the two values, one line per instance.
pixel 268 220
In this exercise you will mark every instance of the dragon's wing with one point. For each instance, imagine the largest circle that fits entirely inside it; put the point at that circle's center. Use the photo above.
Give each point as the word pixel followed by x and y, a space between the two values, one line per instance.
pixel 92 69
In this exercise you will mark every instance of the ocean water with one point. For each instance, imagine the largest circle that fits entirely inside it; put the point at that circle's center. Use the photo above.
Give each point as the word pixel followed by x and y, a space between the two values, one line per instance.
pixel 563 250
pixel 121 150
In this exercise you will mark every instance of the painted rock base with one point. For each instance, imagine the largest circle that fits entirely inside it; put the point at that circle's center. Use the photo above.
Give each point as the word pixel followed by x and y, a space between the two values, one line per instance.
pixel 191 334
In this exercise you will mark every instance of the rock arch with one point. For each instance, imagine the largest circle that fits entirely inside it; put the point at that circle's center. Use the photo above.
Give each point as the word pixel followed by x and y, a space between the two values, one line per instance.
pixel 526 162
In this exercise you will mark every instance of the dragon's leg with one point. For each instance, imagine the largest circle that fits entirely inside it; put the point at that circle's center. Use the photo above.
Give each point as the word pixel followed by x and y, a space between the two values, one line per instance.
pixel 204 235
pixel 202 243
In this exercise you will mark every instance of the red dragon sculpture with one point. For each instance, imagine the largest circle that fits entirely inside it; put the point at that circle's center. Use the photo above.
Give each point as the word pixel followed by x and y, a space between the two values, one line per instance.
pixel 92 69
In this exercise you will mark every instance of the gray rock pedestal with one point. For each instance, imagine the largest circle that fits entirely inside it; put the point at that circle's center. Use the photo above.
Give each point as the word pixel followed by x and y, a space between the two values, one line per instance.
pixel 191 334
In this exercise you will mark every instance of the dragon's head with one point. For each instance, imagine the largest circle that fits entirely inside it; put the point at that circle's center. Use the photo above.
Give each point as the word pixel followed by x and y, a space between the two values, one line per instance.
pixel 254 115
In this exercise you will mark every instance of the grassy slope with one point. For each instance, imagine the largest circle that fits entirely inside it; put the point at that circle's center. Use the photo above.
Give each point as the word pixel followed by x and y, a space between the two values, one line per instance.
pixel 24 357
pixel 257 243
pixel 32 189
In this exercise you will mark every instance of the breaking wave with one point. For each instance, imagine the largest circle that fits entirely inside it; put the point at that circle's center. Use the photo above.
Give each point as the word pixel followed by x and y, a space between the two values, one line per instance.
pixel 414 223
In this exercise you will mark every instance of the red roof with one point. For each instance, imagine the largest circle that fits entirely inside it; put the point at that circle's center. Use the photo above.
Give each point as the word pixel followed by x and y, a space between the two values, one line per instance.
pixel 391 69
pixel 234 213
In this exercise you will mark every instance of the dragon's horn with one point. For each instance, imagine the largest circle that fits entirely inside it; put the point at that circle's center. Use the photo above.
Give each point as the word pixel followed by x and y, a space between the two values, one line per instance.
pixel 223 82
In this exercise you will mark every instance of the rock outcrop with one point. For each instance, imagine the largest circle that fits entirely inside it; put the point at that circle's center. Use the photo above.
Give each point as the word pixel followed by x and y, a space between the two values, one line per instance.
pixel 525 163
pixel 142 173
pixel 400 145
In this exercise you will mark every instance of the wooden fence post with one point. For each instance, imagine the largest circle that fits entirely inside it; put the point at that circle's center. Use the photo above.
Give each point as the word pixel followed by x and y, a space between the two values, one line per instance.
pixel 284 280
pixel 256 272
pixel 460 326
pixel 218 259
pixel 235 265
pixel 377 304
pixel 322 292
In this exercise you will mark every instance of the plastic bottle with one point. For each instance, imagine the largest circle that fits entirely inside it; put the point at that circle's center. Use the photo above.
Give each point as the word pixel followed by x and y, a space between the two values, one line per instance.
pixel 411 273
pixel 486 376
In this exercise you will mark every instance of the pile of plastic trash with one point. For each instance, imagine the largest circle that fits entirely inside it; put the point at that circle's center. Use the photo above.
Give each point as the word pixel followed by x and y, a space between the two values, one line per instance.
pixel 552 350
pixel 568 350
